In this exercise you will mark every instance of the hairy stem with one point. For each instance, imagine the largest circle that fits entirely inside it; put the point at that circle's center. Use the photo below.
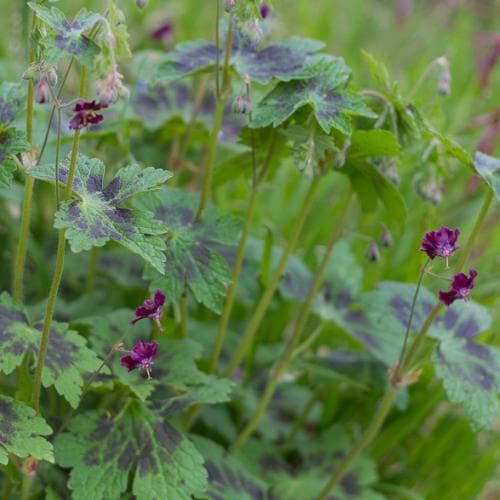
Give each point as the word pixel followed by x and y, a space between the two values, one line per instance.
pixel 390 394
pixel 54 287
pixel 282 364
pixel 267 296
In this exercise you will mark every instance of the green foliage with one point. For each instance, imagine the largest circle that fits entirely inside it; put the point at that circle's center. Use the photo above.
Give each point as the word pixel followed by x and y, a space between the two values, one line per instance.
pixel 324 91
pixel 104 452
pixel 22 431
pixel 68 357
pixel 193 259
pixel 489 170
pixel 67 38
pixel 97 217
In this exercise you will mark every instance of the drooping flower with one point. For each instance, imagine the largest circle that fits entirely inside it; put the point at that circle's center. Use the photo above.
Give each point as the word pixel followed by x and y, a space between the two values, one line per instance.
pixel 110 88
pixel 264 10
pixel 151 308
pixel 386 238
pixel 441 243
pixel 141 357
pixel 42 91
pixel 242 104
pixel 85 114
pixel 460 288
pixel 373 252
pixel 164 33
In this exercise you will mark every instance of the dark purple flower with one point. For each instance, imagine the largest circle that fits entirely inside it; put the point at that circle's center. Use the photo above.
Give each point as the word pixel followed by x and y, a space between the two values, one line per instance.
pixel 440 243
pixel 460 288
pixel 141 357
pixel 151 308
pixel 85 114
pixel 264 10
pixel 164 33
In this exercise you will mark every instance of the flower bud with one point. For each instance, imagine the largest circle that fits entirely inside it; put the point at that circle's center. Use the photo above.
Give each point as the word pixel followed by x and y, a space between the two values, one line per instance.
pixel 372 252
pixel 242 104
pixel 444 82
pixel 142 4
pixel 264 10
pixel 52 76
pixel 386 238
pixel 42 92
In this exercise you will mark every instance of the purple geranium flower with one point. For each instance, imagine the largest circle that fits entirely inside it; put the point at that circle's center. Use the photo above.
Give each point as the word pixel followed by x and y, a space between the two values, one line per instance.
pixel 141 357
pixel 85 114
pixel 264 10
pixel 151 308
pixel 460 288
pixel 164 33
pixel 440 243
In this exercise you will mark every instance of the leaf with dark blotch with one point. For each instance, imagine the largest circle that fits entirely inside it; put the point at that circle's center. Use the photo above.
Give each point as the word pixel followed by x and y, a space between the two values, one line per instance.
pixel 325 92
pixel 22 431
pixel 283 60
pixel 97 217
pixel 104 453
pixel 67 360
pixel 489 170
pixel 192 258
pixel 67 38
pixel 228 478
pixel 12 101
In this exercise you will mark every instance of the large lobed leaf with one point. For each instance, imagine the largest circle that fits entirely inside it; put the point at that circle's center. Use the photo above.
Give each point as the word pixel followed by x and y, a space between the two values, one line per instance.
pixel 68 38
pixel 96 217
pixel 22 431
pixel 193 260
pixel 137 445
pixel 284 60
pixel 68 358
pixel 325 91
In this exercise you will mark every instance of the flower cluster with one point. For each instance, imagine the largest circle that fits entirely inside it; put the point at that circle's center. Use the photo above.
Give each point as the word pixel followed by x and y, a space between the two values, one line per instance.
pixel 460 288
pixel 85 114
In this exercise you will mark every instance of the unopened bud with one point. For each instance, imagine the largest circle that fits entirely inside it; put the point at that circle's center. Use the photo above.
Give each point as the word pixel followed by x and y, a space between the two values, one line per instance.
pixel 264 10
pixel 229 5
pixel 52 76
pixel 372 252
pixel 242 104
pixel 386 238
pixel 444 82
pixel 42 91
pixel 30 466
pixel 430 190
pixel 142 4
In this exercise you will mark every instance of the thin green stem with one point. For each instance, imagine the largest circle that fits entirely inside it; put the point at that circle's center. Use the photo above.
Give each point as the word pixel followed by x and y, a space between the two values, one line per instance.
pixel 410 320
pixel 217 49
pixel 184 315
pixel 26 486
pixel 268 294
pixel 392 389
pixel 284 361
pixel 214 135
pixel 54 287
pixel 58 148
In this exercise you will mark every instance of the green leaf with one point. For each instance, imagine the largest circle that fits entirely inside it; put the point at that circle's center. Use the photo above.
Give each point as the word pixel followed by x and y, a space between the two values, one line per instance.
pixel 137 445
pixel 283 60
pixel 12 101
pixel 97 217
pixel 228 479
pixel 68 358
pixel 376 142
pixel 193 260
pixel 21 431
pixel 489 170
pixel 68 38
pixel 325 92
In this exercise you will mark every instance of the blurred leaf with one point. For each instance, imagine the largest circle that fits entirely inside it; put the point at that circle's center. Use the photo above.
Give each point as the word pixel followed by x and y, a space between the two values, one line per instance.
pixel 104 452
pixel 228 478
pixel 376 142
pixel 96 217
pixel 192 258
pixel 68 38
pixel 489 169
pixel 21 431
pixel 68 358
pixel 325 92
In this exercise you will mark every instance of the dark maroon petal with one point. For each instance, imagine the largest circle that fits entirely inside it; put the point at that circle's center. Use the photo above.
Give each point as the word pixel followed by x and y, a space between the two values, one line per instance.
pixel 440 243
pixel 159 298
pixel 447 298
pixel 165 29
pixel 129 363
pixel 460 281
pixel 144 351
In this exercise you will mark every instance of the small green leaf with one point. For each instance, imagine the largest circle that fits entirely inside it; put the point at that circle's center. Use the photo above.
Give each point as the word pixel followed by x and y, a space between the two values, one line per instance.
pixel 21 431
pixel 68 38
pixel 489 169
pixel 325 92
pixel 104 453
pixel 376 142
pixel 97 217
pixel 193 260
pixel 68 358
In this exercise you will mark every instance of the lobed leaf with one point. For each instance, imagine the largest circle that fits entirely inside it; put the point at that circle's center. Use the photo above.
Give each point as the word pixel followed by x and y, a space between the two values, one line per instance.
pixel 96 217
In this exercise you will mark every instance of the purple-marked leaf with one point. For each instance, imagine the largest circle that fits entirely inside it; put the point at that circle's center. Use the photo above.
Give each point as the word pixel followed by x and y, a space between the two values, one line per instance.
pixel 137 446
pixel 12 101
pixel 325 92
pixel 67 38
pixel 192 258
pixel 284 60
pixel 489 169
pixel 22 431
pixel 228 478
pixel 97 217
pixel 68 357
